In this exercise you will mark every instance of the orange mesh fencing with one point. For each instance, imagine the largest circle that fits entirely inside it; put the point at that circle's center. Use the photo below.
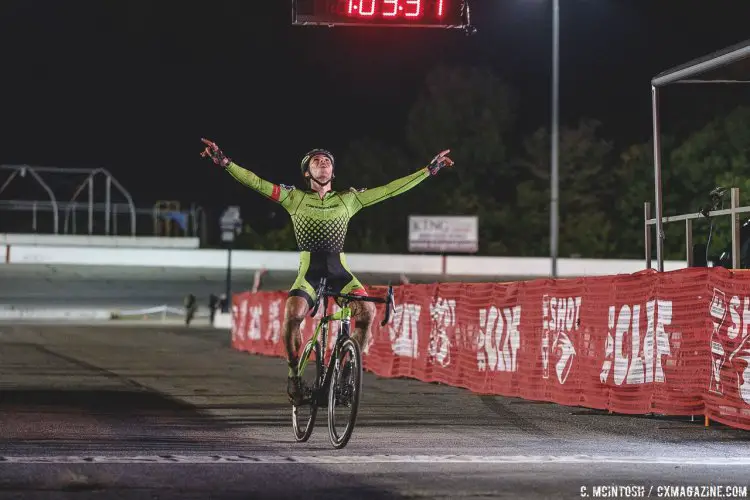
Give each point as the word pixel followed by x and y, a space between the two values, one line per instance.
pixel 673 343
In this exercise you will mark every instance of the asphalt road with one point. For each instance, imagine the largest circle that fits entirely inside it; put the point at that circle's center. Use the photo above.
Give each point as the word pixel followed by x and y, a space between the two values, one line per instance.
pixel 93 287
pixel 163 412
pixel 133 288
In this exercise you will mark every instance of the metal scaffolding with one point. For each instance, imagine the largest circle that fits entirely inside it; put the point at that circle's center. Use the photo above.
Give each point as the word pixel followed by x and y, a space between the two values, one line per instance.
pixel 192 222
pixel 55 205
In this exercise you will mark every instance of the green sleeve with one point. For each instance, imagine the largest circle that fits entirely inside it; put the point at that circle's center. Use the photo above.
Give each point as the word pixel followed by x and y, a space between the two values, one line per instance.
pixel 284 195
pixel 359 200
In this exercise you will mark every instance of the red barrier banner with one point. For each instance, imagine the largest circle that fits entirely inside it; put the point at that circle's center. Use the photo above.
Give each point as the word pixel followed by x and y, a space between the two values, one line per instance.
pixel 673 343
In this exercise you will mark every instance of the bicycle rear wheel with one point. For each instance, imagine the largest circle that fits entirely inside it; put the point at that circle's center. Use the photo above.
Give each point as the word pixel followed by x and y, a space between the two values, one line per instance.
pixel 303 416
pixel 344 392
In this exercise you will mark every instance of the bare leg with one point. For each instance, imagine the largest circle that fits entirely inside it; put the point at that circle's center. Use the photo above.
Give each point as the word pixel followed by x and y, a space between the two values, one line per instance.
pixel 296 308
pixel 363 314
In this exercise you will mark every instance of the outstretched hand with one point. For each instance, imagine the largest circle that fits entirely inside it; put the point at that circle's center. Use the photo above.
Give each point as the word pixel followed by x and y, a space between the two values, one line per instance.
pixel 440 161
pixel 217 155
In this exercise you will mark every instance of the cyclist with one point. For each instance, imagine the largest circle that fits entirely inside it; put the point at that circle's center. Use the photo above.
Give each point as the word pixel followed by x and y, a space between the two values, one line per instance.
pixel 320 217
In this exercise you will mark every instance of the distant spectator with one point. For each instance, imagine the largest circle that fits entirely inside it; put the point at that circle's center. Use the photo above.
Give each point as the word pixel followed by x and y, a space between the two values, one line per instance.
pixel 190 308
pixel 213 304
pixel 258 281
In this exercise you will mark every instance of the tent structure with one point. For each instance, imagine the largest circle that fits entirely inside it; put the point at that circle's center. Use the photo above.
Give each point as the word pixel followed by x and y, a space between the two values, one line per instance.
pixel 726 66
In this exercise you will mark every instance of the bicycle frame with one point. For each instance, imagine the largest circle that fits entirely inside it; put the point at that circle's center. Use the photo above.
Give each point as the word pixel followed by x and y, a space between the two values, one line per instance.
pixel 325 391
pixel 343 315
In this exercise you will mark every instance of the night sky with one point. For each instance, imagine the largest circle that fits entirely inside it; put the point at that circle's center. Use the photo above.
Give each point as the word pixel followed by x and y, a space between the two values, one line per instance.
pixel 132 85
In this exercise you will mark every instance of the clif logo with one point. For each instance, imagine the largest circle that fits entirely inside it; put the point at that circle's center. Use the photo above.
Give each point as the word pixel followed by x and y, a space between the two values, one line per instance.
pixel 499 339
pixel 637 356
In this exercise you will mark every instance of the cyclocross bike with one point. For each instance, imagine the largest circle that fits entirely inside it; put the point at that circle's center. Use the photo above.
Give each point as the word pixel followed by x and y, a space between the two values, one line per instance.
pixel 340 385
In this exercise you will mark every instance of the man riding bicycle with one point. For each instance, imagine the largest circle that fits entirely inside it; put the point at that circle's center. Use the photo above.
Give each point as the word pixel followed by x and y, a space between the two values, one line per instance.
pixel 320 217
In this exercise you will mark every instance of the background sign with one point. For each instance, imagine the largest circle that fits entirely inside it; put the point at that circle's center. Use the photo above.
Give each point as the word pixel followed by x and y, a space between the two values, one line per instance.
pixel 230 223
pixel 436 233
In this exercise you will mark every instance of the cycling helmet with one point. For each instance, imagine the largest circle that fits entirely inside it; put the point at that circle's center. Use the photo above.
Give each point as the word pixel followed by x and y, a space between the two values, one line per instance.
pixel 305 164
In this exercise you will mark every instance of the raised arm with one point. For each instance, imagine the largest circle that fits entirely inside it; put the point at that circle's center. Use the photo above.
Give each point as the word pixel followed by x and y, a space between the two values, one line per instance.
pixel 276 192
pixel 368 197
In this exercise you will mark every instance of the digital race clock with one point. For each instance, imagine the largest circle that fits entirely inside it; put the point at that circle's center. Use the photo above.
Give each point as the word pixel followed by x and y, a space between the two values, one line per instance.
pixel 382 13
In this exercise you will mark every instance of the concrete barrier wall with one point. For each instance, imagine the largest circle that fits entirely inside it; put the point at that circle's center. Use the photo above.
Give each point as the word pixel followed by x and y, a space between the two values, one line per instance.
pixel 79 240
pixel 540 266
pixel 411 265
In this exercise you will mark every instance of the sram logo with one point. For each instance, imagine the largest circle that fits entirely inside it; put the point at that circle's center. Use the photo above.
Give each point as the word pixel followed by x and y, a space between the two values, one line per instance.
pixel 238 332
pixel 638 356
pixel 499 339
pixel 443 319
pixel 247 320
pixel 403 330
pixel 560 324
pixel 273 332
pixel 730 339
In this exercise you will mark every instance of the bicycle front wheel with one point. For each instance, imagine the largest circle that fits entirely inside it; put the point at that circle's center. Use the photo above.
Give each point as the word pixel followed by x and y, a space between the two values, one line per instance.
pixel 344 392
pixel 303 416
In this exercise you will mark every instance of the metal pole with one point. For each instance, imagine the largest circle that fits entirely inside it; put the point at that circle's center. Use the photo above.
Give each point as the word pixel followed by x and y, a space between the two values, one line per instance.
pixel 156 218
pixel 657 180
pixel 204 227
pixel 108 202
pixel 689 243
pixel 228 303
pixel 51 169
pixel 127 196
pixel 91 205
pixel 8 180
pixel 86 182
pixel 33 220
pixel 706 64
pixel 554 217
pixel 52 199
pixel 735 203
pixel 647 232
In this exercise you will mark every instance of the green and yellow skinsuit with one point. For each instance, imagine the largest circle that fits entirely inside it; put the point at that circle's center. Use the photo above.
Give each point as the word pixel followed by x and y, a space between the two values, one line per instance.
pixel 320 226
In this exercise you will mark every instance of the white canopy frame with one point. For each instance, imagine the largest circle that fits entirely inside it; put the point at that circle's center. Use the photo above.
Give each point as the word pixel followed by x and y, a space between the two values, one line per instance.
pixel 712 68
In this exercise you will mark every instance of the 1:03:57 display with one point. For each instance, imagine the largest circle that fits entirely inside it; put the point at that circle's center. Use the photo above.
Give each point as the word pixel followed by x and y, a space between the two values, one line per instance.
pixel 410 9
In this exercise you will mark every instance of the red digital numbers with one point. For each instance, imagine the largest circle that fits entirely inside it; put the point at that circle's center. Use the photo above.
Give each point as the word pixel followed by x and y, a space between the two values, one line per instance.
pixel 391 9
pixel 415 11
pixel 365 8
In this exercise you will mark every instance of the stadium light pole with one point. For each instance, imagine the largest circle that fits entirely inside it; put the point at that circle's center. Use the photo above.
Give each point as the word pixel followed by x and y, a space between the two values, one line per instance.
pixel 555 138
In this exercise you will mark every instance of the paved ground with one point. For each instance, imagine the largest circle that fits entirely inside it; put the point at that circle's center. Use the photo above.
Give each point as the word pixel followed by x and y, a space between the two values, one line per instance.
pixel 32 285
pixel 78 286
pixel 167 412
pixel 131 288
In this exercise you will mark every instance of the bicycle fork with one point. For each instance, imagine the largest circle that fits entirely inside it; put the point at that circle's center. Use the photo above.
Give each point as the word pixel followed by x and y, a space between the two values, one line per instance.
pixel 333 365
